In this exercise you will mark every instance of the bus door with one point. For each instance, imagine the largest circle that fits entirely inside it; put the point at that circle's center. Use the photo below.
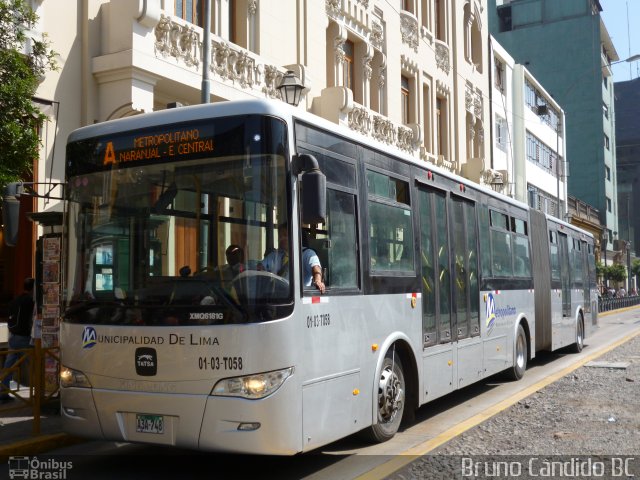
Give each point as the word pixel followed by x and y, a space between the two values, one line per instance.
pixel 465 271
pixel 466 295
pixel 435 275
pixel 565 277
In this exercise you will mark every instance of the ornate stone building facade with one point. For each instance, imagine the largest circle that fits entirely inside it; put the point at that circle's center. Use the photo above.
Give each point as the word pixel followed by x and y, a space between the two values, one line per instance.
pixel 411 73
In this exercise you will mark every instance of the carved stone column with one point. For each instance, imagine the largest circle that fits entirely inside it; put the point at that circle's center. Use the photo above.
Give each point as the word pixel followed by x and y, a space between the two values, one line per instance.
pixel 366 74
pixel 252 13
pixel 379 69
pixel 336 50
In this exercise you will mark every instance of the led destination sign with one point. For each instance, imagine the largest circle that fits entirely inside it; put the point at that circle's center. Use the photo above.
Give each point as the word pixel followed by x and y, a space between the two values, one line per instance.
pixel 175 143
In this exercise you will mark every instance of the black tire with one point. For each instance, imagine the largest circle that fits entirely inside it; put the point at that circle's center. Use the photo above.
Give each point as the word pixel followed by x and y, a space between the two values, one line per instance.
pixel 577 347
pixel 391 400
pixel 520 355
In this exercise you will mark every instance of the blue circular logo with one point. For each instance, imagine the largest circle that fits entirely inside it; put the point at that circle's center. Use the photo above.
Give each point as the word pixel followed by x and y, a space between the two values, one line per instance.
pixel 490 312
pixel 89 337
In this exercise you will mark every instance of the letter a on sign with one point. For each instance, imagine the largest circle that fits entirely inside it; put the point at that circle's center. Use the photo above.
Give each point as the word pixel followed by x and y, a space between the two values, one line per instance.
pixel 109 154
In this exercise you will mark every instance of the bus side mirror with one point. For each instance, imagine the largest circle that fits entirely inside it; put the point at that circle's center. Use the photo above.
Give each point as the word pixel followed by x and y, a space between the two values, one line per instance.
pixel 314 190
pixel 11 212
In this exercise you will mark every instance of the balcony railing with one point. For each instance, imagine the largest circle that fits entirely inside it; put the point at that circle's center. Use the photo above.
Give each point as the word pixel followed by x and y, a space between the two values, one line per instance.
pixel 583 211
pixel 229 62
pixel 377 126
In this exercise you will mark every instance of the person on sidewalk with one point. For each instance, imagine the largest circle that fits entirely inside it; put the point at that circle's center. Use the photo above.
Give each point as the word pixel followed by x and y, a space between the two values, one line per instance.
pixel 20 322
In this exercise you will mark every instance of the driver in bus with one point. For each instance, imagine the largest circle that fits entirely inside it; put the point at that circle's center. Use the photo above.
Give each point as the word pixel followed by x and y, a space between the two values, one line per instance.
pixel 235 263
pixel 277 261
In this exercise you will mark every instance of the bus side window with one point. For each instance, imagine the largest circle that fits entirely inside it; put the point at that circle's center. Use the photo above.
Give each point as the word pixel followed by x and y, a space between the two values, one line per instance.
pixel 335 240
pixel 342 264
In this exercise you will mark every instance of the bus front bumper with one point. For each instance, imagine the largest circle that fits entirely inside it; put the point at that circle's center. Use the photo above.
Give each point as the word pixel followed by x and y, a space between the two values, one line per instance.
pixel 271 425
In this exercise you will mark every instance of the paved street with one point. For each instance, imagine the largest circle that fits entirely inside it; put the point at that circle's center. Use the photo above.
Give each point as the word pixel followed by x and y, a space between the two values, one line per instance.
pixel 436 424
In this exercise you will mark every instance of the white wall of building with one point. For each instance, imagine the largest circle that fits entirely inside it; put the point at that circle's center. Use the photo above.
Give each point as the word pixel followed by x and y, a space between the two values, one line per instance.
pixel 122 57
pixel 526 167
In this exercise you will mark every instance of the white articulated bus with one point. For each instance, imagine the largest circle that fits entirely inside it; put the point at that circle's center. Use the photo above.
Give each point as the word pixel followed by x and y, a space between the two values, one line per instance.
pixel 432 282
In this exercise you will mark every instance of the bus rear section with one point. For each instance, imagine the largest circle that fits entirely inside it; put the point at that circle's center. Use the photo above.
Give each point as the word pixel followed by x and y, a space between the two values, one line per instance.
pixel 565 293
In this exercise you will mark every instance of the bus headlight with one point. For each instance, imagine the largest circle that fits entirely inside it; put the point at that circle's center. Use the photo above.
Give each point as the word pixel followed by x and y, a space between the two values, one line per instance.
pixel 73 378
pixel 259 385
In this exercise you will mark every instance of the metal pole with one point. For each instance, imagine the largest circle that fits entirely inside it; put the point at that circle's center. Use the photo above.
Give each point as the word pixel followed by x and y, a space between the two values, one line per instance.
pixel 628 266
pixel 558 166
pixel 206 53
pixel 604 250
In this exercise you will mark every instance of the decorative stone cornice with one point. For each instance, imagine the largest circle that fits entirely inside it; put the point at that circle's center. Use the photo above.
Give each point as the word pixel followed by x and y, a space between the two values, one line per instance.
pixel 442 57
pixel 360 120
pixel 409 30
pixel 442 88
pixel 408 65
pixel 405 139
pixel 478 104
pixel 229 62
pixel 446 164
pixel 354 15
pixel 271 80
pixel 333 7
pixel 383 130
pixel 179 41
pixel 377 35
pixel 468 97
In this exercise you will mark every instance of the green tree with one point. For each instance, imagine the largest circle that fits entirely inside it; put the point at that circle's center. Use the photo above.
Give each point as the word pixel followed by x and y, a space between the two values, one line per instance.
pixel 601 270
pixel 617 273
pixel 635 268
pixel 22 66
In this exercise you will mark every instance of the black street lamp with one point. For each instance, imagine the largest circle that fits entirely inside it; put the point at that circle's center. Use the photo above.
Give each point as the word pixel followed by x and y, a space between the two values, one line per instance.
pixel 290 88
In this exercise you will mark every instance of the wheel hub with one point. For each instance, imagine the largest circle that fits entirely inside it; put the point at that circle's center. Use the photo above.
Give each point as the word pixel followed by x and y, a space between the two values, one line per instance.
pixel 390 396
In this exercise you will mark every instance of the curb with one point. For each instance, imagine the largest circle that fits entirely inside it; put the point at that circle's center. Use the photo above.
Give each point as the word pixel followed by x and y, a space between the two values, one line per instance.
pixel 403 459
pixel 37 445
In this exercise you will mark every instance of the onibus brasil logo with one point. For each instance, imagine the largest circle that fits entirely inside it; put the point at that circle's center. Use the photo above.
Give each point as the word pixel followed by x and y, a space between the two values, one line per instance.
pixel 35 468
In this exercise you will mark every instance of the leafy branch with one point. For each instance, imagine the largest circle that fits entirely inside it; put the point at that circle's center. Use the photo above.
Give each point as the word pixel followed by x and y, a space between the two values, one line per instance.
pixel 24 61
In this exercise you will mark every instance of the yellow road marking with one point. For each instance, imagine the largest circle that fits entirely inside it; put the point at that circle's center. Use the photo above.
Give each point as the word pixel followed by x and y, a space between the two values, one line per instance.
pixel 405 458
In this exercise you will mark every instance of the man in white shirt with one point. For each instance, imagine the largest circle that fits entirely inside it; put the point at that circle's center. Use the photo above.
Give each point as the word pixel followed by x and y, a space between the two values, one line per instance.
pixel 277 261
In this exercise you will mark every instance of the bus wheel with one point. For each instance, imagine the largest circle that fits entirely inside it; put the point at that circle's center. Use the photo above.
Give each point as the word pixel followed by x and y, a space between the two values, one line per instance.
pixel 520 361
pixel 577 347
pixel 391 399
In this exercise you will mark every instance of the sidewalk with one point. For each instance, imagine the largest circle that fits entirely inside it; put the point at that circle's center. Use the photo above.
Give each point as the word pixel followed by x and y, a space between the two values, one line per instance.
pixel 17 425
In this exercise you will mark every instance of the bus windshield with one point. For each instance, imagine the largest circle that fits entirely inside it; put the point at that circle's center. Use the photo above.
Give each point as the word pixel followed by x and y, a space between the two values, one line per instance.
pixel 162 238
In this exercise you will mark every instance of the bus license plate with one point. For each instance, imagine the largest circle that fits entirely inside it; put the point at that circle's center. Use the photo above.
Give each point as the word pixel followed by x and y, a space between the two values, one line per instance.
pixel 149 424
